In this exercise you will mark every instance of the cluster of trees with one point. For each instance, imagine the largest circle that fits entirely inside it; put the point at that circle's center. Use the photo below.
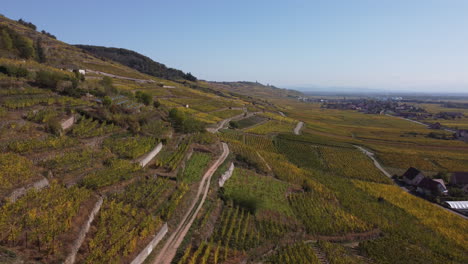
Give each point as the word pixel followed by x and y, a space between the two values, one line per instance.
pixel 143 98
pixel 138 62
pixel 14 71
pixel 27 24
pixel 10 40
pixel 184 123
pixel 48 34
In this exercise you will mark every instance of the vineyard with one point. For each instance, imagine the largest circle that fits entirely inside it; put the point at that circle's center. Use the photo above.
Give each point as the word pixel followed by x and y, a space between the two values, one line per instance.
pixel 339 160
pixel 294 253
pixel 24 101
pixel 227 113
pixel 87 127
pixel 38 219
pixel 15 171
pixel 42 116
pixel 115 170
pixel 70 161
pixel 257 193
pixel 37 145
pixel 302 154
pixel 195 167
pixel 130 147
pixel 250 121
pixel 325 217
pixel 119 228
pixel 337 254
pixel 171 159
pixel 130 217
pixel 272 126
pixel 428 214
pixel 249 156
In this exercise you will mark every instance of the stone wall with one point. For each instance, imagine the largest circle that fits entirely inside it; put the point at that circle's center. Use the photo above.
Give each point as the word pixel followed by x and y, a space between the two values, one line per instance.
pixel 146 159
pixel 151 245
pixel 84 230
pixel 226 175
pixel 67 123
pixel 22 191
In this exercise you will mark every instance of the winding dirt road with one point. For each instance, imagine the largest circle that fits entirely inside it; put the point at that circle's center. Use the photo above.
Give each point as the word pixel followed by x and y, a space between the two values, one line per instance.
pixel 169 250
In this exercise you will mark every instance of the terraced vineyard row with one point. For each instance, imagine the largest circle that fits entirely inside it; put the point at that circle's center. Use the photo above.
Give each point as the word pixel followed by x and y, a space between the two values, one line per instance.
pixel 130 147
pixel 129 218
pixel 37 145
pixel 195 166
pixel 38 220
pixel 322 217
pixel 87 127
pixel 170 160
pixel 295 253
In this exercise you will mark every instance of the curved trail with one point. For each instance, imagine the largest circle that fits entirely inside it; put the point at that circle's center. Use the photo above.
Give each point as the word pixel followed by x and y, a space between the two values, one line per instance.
pixel 376 163
pixel 169 250
pixel 298 128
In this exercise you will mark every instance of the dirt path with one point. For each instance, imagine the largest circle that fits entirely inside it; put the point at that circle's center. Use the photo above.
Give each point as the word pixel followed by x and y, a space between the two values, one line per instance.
pixel 169 249
pixel 298 128
pixel 119 77
pixel 378 166
pixel 376 163
pixel 224 122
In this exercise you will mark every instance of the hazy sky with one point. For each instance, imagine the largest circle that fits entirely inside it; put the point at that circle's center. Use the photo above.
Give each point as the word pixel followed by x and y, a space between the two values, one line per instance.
pixel 391 44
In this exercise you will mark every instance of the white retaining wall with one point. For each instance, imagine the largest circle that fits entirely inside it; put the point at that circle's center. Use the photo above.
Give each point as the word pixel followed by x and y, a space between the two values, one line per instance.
pixel 67 123
pixel 143 162
pixel 226 175
pixel 22 191
pixel 84 230
pixel 151 245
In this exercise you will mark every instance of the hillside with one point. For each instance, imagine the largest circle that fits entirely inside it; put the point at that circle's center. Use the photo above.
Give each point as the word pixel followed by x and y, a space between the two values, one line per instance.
pixel 137 61
pixel 256 89
pixel 101 163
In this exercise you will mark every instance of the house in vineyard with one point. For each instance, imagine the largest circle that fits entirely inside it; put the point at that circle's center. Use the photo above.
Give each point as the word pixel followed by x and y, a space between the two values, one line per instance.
pixel 413 176
pixel 428 186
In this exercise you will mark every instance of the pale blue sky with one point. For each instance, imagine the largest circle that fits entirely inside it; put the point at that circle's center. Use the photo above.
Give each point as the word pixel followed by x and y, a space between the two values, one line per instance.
pixel 391 44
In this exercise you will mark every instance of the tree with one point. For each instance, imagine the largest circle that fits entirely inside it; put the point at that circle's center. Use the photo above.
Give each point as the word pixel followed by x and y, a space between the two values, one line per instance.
pixel 233 124
pixel 190 77
pixel 6 41
pixel 41 57
pixel 25 47
pixel 109 88
pixel 27 24
pixel 106 101
pixel 442 175
pixel 156 104
pixel 143 97
pixel 54 127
